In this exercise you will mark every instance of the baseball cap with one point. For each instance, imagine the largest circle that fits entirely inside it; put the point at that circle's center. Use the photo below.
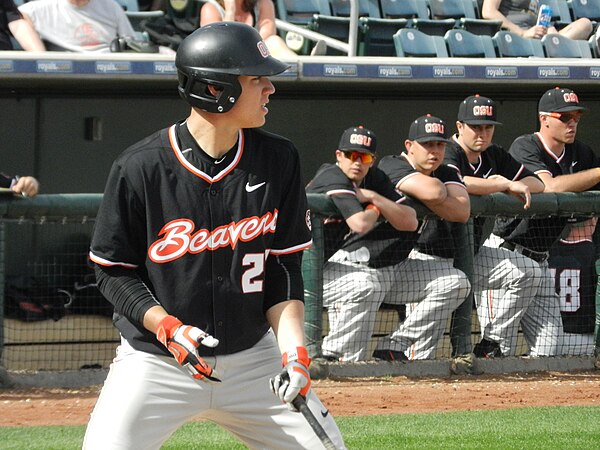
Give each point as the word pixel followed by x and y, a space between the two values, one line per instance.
pixel 477 110
pixel 358 139
pixel 428 128
pixel 560 100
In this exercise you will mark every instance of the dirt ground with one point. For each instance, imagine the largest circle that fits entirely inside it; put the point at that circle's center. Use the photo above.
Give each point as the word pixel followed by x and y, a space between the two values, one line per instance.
pixel 350 396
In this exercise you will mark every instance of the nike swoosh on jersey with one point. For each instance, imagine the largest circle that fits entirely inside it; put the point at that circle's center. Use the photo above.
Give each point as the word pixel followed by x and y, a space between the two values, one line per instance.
pixel 488 173
pixel 573 163
pixel 255 187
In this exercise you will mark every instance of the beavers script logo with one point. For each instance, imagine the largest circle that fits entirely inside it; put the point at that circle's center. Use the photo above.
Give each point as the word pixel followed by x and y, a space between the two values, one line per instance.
pixel 180 238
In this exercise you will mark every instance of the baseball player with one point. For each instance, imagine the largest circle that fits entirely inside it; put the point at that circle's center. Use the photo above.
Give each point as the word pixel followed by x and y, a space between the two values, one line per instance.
pixel 564 165
pixel 26 186
pixel 362 249
pixel 427 282
pixel 197 245
pixel 504 282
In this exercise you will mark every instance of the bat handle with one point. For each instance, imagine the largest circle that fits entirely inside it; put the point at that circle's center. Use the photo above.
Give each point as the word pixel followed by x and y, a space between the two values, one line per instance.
pixel 300 404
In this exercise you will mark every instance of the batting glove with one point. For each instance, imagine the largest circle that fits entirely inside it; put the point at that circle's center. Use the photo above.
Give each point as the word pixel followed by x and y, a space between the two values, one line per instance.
pixel 183 341
pixel 295 378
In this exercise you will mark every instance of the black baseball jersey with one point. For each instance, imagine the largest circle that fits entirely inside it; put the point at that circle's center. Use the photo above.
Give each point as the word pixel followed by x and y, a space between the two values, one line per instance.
pixel 493 161
pixel 540 234
pixel 436 234
pixel 386 245
pixel 573 267
pixel 201 233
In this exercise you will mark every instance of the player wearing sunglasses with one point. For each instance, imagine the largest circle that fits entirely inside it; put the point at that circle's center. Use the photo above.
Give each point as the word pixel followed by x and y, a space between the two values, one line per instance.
pixel 564 164
pixel 361 243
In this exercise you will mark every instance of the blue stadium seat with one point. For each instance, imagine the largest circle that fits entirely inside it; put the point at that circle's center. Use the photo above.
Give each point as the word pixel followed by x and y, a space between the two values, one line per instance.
pixel 461 43
pixel 433 27
pixel 334 27
pixel 378 35
pixel 558 46
pixel 366 8
pixel 480 26
pixel 455 9
pixel 585 8
pixel 404 9
pixel 511 45
pixel 300 12
pixel 410 42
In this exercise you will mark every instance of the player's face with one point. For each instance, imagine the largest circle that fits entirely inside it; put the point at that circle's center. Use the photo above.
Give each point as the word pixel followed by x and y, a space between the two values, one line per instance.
pixel 352 164
pixel 426 156
pixel 251 108
pixel 475 138
pixel 562 127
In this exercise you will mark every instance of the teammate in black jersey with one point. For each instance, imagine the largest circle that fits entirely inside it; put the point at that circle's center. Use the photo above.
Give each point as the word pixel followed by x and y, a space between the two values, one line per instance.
pixel 504 282
pixel 564 164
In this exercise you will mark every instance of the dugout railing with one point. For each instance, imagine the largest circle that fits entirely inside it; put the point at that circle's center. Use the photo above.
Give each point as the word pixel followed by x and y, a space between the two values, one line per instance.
pixel 47 237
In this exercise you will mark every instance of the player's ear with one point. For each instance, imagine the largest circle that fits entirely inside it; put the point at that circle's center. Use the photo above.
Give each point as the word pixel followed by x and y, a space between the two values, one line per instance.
pixel 459 126
pixel 407 144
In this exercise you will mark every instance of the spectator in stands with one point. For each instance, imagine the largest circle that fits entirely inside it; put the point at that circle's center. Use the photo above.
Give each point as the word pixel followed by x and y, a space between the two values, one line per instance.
pixel 504 282
pixel 564 165
pixel 257 13
pixel 78 25
pixel 358 272
pixel 26 186
pixel 12 22
pixel 520 17
pixel 426 281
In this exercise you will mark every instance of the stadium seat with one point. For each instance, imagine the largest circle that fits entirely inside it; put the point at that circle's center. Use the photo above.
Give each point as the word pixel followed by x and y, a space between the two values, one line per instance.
pixel 410 42
pixel 300 12
pixel 558 46
pixel 366 8
pixel 334 27
pixel 461 43
pixel 378 35
pixel 466 13
pixel 455 9
pixel 585 8
pixel 404 9
pixel 480 26
pixel 135 16
pixel 433 27
pixel 511 45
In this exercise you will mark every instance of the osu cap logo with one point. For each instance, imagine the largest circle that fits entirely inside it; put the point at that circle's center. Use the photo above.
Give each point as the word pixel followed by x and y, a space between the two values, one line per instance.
pixel 570 97
pixel 262 48
pixel 434 128
pixel 361 139
pixel 483 110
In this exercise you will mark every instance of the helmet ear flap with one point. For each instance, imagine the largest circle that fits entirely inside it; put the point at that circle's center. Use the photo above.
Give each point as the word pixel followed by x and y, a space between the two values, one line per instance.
pixel 195 90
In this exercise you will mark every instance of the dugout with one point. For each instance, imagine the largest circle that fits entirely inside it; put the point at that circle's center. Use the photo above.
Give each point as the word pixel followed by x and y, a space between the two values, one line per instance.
pixel 67 116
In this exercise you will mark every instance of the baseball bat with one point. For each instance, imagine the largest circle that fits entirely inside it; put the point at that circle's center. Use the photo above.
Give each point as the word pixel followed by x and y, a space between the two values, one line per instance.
pixel 300 404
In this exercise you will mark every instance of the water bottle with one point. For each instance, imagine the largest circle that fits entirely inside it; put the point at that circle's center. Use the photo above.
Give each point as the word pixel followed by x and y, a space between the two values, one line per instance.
pixel 545 16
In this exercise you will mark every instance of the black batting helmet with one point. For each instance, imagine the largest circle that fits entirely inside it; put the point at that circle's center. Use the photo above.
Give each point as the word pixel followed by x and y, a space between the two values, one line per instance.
pixel 217 54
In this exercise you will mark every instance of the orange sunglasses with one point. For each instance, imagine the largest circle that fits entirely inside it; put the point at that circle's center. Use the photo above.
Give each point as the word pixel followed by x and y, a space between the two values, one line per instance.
pixel 365 158
pixel 565 117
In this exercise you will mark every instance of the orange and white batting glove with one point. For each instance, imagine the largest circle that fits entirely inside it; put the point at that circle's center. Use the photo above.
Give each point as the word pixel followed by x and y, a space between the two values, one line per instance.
pixel 183 342
pixel 295 378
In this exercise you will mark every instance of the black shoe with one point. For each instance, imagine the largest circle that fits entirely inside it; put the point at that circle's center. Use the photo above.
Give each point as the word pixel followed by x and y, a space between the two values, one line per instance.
pixel 390 355
pixel 487 349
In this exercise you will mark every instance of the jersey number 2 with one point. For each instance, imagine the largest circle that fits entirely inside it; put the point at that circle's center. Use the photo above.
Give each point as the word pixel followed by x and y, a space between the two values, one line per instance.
pixel 256 263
